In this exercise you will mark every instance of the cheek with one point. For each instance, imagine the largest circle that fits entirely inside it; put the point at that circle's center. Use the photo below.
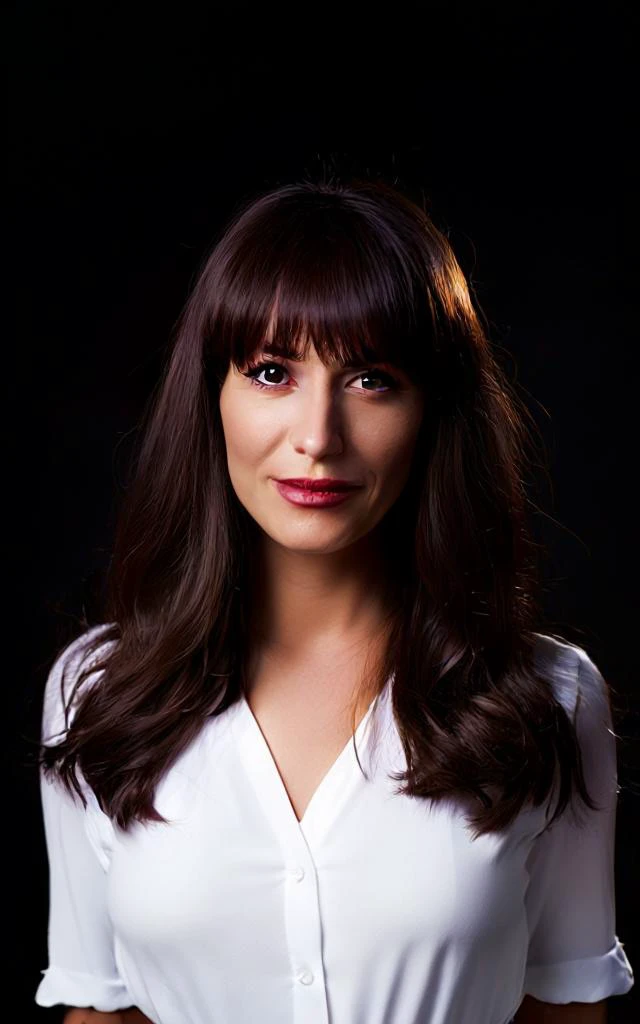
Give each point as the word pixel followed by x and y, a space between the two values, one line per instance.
pixel 247 437
pixel 388 443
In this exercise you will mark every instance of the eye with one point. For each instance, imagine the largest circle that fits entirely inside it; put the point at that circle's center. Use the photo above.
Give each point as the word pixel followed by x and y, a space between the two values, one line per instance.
pixel 254 371
pixel 383 381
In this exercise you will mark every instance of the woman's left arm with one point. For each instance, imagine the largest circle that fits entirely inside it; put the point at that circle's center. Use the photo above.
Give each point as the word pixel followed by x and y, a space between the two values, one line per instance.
pixel 575 960
pixel 533 1011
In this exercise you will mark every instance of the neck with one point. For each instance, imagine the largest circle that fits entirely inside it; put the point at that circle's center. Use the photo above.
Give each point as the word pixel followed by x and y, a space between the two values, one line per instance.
pixel 304 603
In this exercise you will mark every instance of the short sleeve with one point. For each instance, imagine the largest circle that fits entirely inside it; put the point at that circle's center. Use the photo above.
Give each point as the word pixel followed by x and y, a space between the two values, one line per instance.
pixel 574 954
pixel 82 970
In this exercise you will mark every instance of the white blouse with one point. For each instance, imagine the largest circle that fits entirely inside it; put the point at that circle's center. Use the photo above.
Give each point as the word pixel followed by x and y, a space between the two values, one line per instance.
pixel 376 908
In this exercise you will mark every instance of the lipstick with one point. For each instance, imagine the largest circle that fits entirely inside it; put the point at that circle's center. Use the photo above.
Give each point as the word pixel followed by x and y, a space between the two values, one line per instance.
pixel 309 493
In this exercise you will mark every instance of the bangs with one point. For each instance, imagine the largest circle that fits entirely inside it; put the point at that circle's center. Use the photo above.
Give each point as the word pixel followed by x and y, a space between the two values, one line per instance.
pixel 322 277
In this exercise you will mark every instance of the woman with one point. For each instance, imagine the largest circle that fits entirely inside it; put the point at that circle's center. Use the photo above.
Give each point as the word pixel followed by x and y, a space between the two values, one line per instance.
pixel 332 767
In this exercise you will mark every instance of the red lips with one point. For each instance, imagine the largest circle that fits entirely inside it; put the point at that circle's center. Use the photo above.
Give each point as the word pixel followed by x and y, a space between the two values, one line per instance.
pixel 324 484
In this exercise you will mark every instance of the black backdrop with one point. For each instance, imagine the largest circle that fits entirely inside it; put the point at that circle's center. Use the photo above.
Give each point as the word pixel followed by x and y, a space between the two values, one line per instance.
pixel 132 137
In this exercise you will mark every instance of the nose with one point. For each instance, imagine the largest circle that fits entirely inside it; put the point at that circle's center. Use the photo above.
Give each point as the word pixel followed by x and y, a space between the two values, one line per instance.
pixel 317 427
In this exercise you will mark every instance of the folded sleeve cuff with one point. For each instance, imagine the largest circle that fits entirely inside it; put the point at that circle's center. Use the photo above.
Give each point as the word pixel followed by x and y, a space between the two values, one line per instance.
pixel 73 988
pixel 581 981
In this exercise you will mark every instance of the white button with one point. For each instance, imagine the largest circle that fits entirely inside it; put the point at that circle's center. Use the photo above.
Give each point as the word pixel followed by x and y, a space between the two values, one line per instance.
pixel 297 872
pixel 305 977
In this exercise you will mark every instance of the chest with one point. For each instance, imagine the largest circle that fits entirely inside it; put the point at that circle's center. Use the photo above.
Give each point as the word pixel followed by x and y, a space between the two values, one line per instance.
pixel 359 861
pixel 248 884
pixel 306 731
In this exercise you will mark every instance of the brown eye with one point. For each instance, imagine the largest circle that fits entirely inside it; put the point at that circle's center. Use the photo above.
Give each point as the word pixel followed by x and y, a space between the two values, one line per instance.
pixel 269 369
pixel 381 381
pixel 273 373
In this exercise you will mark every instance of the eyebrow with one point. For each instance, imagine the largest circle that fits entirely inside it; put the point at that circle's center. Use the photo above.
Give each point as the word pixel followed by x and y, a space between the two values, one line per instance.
pixel 281 350
pixel 270 348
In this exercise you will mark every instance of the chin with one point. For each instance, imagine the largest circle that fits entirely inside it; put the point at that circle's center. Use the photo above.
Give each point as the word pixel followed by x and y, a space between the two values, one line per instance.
pixel 314 542
pixel 308 547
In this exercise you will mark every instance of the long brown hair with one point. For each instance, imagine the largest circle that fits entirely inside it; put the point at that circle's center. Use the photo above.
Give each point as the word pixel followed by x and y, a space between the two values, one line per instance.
pixel 360 270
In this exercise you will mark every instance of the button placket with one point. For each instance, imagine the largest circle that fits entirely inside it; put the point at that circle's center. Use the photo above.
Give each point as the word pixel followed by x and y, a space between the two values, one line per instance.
pixel 303 928
pixel 304 933
pixel 298 840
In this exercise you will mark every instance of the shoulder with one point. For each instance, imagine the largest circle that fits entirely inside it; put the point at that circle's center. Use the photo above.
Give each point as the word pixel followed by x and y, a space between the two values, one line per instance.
pixel 573 674
pixel 580 687
pixel 63 675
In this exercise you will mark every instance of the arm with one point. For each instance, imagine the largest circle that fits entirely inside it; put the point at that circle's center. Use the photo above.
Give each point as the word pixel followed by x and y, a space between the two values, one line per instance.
pixel 76 1015
pixel 82 971
pixel 533 1011
pixel 575 960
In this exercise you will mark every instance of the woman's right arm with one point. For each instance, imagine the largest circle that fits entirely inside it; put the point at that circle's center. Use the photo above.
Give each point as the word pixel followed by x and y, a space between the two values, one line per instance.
pixel 82 969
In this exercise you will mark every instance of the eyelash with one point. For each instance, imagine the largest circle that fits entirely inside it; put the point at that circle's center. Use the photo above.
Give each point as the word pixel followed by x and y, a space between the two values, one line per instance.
pixel 254 369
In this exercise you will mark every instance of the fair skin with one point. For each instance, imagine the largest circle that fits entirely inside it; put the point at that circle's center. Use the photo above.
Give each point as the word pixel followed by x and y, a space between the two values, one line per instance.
pixel 320 602
pixel 310 420
pixel 321 574
pixel 318 587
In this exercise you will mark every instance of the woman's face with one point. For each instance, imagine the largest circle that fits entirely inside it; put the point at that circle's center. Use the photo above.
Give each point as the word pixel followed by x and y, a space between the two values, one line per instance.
pixel 302 419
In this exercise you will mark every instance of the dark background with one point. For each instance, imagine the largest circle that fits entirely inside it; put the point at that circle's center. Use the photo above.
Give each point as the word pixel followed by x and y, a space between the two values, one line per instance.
pixel 133 135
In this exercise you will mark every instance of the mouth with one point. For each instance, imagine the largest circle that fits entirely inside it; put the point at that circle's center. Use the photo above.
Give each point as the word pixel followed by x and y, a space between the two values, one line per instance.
pixel 321 494
pixel 323 485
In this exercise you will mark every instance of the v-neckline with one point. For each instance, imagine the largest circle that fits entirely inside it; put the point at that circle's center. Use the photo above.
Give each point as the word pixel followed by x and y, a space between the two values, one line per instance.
pixel 262 769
